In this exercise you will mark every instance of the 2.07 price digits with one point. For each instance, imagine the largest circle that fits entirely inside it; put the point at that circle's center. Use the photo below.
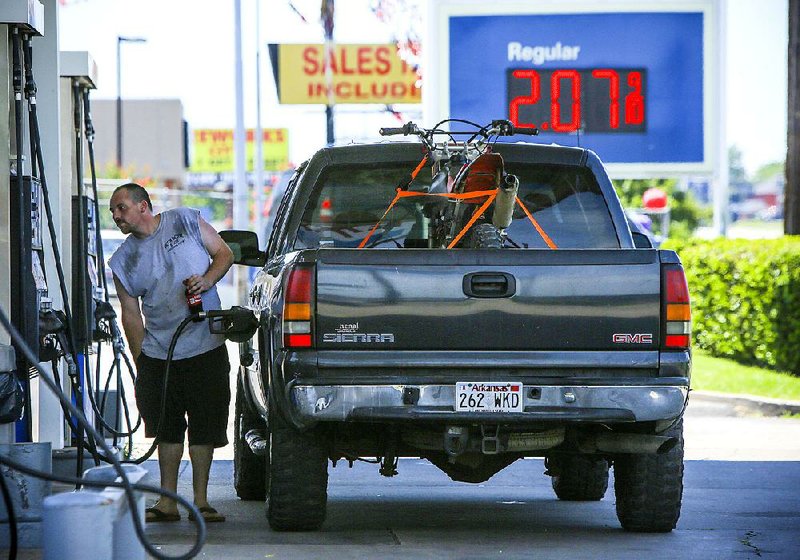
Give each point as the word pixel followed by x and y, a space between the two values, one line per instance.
pixel 594 100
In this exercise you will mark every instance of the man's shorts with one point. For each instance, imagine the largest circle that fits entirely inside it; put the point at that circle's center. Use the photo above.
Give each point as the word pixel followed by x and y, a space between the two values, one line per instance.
pixel 198 390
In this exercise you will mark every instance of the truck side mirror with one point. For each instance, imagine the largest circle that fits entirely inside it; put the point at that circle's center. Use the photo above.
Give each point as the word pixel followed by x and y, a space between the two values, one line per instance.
pixel 244 245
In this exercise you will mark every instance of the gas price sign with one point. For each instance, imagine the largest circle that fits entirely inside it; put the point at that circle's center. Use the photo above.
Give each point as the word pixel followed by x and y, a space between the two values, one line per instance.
pixel 577 99
pixel 632 81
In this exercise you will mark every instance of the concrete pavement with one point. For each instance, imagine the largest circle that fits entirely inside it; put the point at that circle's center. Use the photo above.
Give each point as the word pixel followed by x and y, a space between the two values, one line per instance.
pixel 741 500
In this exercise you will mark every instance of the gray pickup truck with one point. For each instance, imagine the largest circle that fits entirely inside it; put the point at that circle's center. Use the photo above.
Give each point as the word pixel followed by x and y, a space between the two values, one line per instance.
pixel 566 341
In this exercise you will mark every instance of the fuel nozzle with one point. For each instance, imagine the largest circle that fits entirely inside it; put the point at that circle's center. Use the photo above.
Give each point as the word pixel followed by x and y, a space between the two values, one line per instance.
pixel 238 324
pixel 50 320
pixel 52 328
pixel 104 317
pixel 104 310
pixel 50 325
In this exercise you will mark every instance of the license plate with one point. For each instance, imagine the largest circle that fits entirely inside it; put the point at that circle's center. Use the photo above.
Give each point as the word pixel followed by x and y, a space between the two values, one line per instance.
pixel 488 397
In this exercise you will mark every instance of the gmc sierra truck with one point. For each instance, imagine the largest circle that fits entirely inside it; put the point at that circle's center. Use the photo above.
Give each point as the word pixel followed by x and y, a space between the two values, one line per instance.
pixel 568 341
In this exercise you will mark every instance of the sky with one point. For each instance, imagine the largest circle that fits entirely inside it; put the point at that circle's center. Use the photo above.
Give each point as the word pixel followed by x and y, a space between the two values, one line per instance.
pixel 189 55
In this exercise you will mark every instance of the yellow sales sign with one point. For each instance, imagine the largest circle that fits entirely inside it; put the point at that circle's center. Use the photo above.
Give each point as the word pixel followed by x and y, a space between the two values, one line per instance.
pixel 213 150
pixel 359 74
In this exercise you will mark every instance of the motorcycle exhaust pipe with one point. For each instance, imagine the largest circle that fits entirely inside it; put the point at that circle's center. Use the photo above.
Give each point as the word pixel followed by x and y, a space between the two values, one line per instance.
pixel 504 203
pixel 614 442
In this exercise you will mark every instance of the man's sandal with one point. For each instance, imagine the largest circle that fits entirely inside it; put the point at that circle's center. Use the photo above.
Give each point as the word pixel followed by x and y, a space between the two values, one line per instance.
pixel 155 515
pixel 210 515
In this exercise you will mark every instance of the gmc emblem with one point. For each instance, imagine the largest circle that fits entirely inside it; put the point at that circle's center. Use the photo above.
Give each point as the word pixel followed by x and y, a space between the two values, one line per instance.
pixel 639 338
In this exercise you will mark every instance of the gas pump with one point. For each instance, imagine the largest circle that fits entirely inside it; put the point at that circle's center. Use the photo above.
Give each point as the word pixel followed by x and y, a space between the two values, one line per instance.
pixel 23 288
pixel 93 316
pixel 85 280
pixel 87 283
pixel 37 331
pixel 27 286
pixel 48 332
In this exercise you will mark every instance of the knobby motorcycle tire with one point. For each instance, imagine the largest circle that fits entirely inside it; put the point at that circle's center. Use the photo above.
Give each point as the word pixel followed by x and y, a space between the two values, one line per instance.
pixel 485 236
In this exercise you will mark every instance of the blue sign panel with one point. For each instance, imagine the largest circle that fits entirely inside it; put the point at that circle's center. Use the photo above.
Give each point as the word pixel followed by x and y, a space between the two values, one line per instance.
pixel 627 85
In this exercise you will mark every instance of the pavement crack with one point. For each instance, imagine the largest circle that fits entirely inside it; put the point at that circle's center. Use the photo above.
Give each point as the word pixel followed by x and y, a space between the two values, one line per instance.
pixel 747 541
pixel 394 536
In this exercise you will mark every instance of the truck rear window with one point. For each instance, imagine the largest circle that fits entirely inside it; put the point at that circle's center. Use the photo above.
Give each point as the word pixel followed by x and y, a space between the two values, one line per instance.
pixel 347 202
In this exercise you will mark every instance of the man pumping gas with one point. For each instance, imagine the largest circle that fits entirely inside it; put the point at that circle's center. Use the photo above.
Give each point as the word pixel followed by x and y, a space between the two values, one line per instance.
pixel 171 261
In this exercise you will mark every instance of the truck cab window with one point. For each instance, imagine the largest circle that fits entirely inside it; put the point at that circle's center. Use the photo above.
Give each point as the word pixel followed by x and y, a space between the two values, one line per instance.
pixel 348 201
pixel 567 203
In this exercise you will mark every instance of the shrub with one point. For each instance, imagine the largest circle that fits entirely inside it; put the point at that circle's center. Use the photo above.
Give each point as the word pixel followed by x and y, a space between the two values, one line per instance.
pixel 745 298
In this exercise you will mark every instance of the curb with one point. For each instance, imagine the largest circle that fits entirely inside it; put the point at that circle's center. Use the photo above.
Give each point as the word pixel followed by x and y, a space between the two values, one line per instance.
pixel 748 404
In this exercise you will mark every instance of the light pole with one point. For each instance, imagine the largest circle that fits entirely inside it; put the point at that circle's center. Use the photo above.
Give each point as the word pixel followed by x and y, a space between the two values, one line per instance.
pixel 258 166
pixel 121 40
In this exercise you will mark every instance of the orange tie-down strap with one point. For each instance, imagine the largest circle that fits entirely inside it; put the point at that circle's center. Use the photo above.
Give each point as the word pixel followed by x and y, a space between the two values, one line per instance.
pixel 490 194
pixel 536 225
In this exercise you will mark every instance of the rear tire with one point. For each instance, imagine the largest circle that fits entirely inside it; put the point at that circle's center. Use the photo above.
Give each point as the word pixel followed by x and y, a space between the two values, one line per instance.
pixel 649 488
pixel 485 236
pixel 248 468
pixel 579 477
pixel 297 480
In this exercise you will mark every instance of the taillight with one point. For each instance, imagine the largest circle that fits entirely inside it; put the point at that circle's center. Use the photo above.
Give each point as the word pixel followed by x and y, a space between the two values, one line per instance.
pixel 677 313
pixel 298 304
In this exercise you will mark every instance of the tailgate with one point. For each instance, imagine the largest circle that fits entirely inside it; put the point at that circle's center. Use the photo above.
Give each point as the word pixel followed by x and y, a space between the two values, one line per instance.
pixel 487 299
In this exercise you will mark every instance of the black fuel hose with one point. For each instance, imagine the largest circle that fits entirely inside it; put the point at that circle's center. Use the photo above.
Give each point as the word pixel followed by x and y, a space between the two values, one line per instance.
pixel 81 99
pixel 89 129
pixel 22 347
pixel 12 517
pixel 99 410
pixel 117 348
pixel 16 50
pixel 82 233
pixel 163 407
pixel 170 352
pixel 30 92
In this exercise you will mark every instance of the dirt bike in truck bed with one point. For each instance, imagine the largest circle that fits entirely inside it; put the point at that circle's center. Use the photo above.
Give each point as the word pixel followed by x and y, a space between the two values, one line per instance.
pixel 470 302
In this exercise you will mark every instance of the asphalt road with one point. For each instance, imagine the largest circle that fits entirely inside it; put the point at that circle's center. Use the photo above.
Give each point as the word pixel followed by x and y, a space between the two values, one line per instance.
pixel 741 500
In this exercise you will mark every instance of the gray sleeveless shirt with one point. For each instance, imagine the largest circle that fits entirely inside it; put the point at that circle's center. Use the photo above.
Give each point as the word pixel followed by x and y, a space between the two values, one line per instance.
pixel 154 268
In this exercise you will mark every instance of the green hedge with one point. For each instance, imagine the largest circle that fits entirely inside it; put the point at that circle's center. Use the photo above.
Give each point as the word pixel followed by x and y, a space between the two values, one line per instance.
pixel 745 298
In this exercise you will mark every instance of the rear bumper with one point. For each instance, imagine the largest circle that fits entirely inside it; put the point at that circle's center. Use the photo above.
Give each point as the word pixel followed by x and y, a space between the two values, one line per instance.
pixel 320 403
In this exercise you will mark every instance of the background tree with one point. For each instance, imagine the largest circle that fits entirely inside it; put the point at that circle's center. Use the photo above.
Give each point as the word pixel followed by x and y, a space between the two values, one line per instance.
pixel 685 212
pixel 736 172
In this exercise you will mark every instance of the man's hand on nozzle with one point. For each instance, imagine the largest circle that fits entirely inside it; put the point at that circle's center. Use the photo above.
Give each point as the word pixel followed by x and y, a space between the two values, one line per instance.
pixel 197 284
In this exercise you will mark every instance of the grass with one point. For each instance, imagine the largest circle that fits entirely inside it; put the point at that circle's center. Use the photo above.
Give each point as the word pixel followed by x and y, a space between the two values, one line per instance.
pixel 727 376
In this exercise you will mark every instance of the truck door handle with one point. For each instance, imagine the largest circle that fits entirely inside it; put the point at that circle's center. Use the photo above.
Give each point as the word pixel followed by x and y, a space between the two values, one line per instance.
pixel 489 284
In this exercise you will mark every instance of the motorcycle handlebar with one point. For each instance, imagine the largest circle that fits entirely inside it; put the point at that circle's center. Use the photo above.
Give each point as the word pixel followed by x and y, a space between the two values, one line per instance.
pixel 501 127
pixel 391 131
pixel 526 131
pixel 505 127
pixel 406 129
